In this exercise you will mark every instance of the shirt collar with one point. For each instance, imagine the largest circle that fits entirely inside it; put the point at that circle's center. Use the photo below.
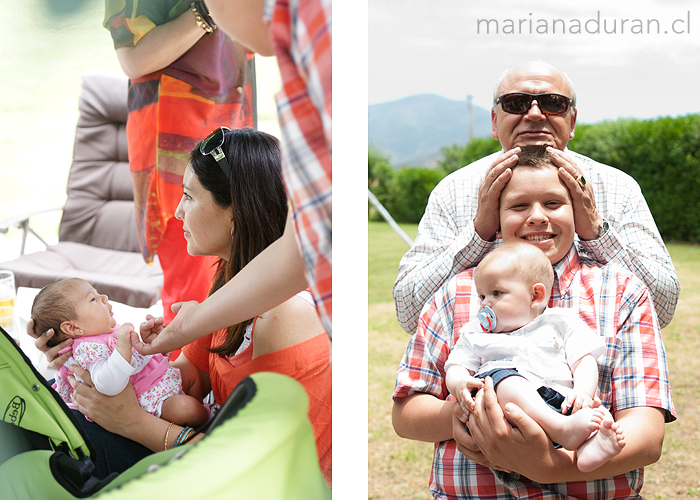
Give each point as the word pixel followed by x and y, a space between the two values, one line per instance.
pixel 268 9
pixel 566 269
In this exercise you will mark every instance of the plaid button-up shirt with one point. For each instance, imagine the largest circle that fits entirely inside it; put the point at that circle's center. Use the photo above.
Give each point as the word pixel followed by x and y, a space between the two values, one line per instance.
pixel 447 242
pixel 633 371
pixel 301 34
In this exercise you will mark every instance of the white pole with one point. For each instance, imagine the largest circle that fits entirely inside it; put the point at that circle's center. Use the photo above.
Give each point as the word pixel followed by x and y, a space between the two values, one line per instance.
pixel 387 217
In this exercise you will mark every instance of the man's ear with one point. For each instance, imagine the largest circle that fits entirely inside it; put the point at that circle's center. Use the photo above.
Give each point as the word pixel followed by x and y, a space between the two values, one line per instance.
pixel 574 113
pixel 494 123
pixel 539 295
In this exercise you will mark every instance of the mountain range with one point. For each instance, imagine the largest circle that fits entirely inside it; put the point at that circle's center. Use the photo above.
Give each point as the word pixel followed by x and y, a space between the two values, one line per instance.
pixel 412 130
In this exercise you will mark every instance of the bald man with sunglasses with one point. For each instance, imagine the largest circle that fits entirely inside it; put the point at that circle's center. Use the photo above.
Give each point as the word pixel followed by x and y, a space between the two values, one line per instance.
pixel 533 104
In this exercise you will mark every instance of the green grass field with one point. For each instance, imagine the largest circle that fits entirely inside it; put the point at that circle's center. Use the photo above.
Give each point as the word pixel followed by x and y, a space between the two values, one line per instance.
pixel 400 468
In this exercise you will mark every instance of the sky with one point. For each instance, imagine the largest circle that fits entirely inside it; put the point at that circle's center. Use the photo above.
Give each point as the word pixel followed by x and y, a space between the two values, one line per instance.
pixel 429 46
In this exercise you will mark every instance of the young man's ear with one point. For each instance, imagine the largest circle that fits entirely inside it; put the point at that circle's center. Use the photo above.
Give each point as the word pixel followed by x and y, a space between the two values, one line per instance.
pixel 539 295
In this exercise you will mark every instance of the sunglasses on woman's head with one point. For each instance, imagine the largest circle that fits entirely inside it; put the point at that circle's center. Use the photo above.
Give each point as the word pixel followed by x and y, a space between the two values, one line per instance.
pixel 519 103
pixel 212 146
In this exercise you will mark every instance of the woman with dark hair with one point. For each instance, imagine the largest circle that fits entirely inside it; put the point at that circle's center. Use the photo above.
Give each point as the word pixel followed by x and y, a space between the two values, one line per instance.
pixel 233 206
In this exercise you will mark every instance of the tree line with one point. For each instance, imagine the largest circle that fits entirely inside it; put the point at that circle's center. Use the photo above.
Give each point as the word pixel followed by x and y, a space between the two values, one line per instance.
pixel 661 154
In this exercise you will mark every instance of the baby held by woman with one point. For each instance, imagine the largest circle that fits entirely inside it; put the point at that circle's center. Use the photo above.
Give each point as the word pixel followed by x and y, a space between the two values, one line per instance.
pixel 74 309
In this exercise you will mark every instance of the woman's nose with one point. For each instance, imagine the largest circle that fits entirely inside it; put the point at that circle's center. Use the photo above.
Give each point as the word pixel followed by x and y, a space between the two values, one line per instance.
pixel 178 211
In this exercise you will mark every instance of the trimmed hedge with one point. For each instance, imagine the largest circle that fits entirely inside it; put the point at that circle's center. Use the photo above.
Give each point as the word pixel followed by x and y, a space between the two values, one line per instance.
pixel 456 156
pixel 662 154
pixel 404 193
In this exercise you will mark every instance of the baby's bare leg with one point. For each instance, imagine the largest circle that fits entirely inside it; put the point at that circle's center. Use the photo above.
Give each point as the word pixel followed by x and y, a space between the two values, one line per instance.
pixel 569 431
pixel 184 410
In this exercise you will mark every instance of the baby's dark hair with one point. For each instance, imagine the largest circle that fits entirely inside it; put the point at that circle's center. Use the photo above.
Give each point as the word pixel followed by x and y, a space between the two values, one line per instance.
pixel 51 307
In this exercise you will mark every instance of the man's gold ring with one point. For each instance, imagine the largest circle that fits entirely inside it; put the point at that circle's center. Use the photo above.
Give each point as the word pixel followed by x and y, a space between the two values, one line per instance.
pixel 581 181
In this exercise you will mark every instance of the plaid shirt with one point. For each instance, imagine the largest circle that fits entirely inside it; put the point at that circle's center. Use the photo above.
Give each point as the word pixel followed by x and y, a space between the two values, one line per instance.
pixel 301 33
pixel 632 373
pixel 447 242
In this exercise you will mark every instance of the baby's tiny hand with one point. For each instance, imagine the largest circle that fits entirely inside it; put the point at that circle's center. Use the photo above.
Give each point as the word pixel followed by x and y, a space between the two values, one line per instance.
pixel 124 334
pixel 466 402
pixel 576 401
pixel 464 394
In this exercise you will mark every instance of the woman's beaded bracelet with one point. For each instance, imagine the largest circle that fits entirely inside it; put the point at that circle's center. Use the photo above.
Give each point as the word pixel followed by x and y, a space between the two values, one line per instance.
pixel 183 436
pixel 200 20
pixel 204 12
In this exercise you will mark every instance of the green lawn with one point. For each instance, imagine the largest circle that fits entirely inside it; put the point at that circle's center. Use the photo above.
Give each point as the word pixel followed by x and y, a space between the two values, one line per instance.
pixel 400 468
pixel 385 251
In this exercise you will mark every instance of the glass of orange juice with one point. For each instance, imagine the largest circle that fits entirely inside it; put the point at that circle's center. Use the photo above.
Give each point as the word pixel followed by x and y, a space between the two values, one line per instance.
pixel 9 321
pixel 7 289
pixel 7 304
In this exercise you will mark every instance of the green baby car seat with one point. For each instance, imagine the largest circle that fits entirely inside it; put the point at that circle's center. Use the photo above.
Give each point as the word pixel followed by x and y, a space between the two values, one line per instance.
pixel 259 445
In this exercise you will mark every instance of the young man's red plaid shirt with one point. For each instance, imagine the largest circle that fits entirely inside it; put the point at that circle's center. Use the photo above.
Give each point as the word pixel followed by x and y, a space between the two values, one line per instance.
pixel 635 373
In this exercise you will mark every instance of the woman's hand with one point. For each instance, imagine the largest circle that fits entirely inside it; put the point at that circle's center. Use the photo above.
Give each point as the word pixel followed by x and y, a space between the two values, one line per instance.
pixel 120 414
pixel 151 327
pixel 171 337
pixel 113 413
pixel 55 360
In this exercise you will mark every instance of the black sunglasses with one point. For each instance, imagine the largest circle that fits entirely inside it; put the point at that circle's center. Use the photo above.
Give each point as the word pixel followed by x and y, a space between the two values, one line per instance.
pixel 519 103
pixel 212 146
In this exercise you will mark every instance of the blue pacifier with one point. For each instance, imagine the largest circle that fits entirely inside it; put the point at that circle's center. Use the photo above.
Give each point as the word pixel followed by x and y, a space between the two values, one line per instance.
pixel 487 318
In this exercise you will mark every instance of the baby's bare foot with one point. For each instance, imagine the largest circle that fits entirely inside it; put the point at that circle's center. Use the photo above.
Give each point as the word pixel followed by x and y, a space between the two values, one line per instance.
pixel 607 442
pixel 579 427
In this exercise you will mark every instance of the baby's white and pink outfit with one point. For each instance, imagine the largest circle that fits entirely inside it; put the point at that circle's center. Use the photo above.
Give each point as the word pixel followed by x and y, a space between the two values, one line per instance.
pixel 154 380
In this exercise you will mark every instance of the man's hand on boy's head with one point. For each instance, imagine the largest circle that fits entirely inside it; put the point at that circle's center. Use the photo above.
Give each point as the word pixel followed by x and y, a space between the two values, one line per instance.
pixel 486 219
pixel 587 220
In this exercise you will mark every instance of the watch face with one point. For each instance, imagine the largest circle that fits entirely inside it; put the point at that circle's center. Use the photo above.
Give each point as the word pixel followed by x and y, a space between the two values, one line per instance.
pixel 604 227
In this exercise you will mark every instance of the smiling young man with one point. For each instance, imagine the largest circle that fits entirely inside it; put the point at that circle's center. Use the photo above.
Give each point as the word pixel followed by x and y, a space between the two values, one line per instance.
pixel 536 206
pixel 533 104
